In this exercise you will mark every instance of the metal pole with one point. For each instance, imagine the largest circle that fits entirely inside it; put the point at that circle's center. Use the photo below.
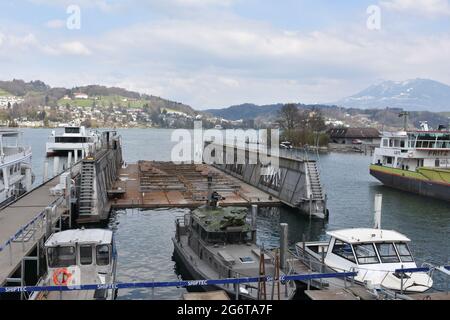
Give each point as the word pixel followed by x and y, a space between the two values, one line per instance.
pixel 237 287
pixel 69 160
pixel 401 281
pixel 10 253
pixel 254 215
pixel 55 166
pixel 283 244
pixel 45 171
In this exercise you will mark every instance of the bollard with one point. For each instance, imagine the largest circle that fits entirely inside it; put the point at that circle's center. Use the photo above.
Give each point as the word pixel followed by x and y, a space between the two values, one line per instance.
pixel 283 244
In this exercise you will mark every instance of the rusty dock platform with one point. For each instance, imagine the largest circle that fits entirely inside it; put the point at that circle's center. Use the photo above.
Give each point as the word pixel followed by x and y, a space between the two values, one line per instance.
pixel 150 184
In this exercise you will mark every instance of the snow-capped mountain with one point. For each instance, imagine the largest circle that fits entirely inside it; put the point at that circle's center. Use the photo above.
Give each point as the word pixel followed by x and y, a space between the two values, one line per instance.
pixel 412 95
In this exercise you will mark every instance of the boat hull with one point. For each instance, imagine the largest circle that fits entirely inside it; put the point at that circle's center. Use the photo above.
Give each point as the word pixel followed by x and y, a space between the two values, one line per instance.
pixel 412 182
pixel 197 275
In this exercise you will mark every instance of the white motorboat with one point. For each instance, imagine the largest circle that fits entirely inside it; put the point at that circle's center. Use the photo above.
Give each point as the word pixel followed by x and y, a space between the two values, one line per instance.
pixel 16 177
pixel 376 256
pixel 74 139
pixel 79 257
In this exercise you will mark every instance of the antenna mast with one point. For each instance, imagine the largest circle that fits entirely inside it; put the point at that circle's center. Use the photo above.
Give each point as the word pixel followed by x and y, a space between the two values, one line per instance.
pixel 405 116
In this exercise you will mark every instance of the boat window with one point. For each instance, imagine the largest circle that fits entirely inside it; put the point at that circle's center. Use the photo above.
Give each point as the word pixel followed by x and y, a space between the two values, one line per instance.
pixel 246 259
pixel 385 142
pixel 103 255
pixel 72 130
pixel 71 139
pixel 404 252
pixel 86 255
pixel 61 257
pixel 387 253
pixel 366 254
pixel 343 250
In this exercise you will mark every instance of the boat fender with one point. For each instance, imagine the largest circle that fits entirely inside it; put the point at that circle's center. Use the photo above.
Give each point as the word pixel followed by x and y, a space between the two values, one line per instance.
pixel 61 277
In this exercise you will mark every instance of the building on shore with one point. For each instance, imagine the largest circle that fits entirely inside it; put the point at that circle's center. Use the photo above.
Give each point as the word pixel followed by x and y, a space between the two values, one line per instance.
pixel 370 136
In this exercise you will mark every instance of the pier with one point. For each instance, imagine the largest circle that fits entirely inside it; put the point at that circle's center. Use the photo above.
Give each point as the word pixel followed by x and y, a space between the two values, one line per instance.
pixel 25 223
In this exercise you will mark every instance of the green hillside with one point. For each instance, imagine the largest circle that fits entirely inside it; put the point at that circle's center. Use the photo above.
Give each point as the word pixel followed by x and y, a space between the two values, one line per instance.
pixel 4 93
pixel 104 101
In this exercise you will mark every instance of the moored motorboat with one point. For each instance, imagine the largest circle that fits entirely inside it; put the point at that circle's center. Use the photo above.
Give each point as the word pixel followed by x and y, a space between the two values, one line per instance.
pixel 79 257
pixel 218 243
pixel 374 254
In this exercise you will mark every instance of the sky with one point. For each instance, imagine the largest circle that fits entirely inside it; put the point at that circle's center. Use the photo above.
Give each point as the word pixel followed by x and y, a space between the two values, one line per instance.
pixel 217 53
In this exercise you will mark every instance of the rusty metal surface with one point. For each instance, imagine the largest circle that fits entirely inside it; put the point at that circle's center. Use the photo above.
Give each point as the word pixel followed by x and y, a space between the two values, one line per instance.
pixel 164 184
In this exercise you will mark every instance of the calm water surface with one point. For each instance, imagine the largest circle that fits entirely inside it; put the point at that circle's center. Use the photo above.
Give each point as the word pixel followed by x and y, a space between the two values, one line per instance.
pixel 144 237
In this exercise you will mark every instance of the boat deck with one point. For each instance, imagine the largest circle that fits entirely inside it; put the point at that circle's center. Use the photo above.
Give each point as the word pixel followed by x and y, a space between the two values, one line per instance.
pixel 14 217
pixel 149 185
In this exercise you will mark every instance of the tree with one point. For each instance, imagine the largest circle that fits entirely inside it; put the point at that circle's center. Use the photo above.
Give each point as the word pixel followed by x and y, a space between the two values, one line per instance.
pixel 288 116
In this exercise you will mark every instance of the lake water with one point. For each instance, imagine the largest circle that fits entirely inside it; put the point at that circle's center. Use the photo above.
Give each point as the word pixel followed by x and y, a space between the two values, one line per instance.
pixel 144 237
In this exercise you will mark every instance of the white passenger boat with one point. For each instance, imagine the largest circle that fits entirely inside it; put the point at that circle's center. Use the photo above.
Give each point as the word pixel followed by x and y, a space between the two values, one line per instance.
pixel 374 254
pixel 74 139
pixel 16 177
pixel 79 257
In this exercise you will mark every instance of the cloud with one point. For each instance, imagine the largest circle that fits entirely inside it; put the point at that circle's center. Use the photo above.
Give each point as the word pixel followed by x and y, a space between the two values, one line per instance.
pixel 430 8
pixel 73 48
pixel 208 63
pixel 55 24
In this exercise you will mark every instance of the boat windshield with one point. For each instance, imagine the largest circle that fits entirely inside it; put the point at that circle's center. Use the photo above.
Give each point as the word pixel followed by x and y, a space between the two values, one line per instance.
pixel 366 254
pixel 343 250
pixel 61 257
pixel 404 252
pixel 387 253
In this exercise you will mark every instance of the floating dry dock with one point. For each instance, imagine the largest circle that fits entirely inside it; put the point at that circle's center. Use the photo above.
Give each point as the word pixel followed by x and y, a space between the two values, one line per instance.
pixel 149 185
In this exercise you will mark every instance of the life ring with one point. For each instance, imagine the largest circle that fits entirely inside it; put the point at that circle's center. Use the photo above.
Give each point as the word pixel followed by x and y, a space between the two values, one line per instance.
pixel 61 277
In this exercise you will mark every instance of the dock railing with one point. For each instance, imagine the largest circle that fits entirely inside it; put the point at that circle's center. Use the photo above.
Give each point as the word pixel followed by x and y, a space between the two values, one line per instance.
pixel 183 284
pixel 442 269
pixel 29 230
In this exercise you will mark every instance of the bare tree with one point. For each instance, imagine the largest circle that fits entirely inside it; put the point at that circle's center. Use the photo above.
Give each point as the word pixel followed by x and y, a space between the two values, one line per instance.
pixel 288 116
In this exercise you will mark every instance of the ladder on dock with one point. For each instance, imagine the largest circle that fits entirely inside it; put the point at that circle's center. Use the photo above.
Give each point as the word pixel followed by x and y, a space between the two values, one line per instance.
pixel 314 179
pixel 86 202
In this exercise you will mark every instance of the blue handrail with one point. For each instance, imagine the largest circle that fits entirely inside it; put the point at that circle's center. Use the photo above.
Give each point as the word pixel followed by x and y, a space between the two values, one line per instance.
pixel 184 284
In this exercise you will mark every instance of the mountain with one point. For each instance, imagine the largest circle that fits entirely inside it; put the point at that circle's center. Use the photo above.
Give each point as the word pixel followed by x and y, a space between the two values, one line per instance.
pixel 250 111
pixel 245 111
pixel 37 93
pixel 411 95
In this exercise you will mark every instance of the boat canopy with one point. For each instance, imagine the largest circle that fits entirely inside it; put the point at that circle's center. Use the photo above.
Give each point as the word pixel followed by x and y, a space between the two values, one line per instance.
pixel 364 235
pixel 80 236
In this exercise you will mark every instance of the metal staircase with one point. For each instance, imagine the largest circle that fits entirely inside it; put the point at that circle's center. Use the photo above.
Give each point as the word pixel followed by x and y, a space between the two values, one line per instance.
pixel 86 199
pixel 314 179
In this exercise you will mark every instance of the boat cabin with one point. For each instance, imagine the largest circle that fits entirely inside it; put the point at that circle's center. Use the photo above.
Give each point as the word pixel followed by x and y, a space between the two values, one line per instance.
pixel 359 247
pixel 411 150
pixel 376 255
pixel 83 256
pixel 72 135
pixel 219 226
